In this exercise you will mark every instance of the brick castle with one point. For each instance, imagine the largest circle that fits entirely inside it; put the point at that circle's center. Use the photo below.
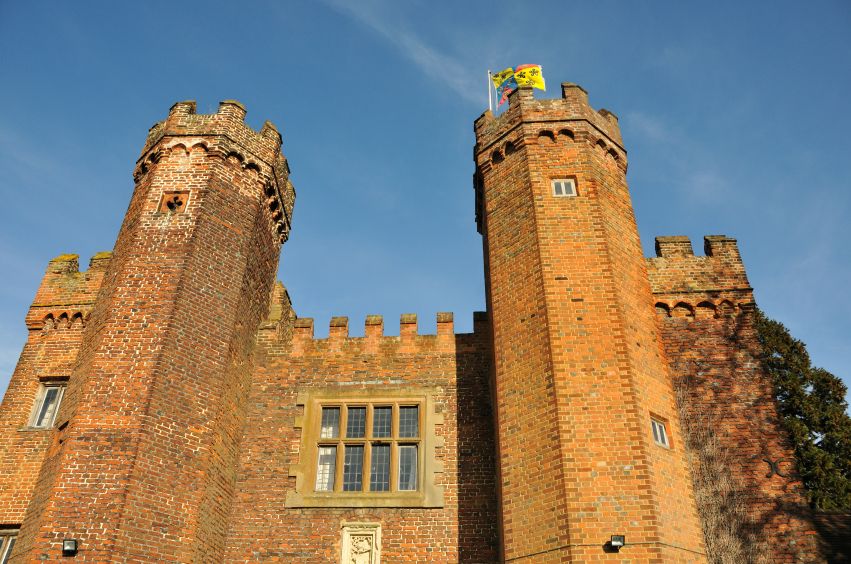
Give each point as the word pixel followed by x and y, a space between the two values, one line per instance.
pixel 170 406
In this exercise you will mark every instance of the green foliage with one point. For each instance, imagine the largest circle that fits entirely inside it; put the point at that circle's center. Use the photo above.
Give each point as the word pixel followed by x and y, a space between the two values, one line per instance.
pixel 814 410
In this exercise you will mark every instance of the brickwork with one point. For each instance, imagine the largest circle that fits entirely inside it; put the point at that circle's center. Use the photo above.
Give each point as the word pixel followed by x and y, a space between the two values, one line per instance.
pixel 705 309
pixel 55 325
pixel 454 367
pixel 579 370
pixel 155 417
pixel 190 430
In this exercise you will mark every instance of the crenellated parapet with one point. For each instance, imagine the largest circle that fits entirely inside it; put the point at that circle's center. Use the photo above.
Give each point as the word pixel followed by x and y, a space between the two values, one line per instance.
pixel 66 295
pixel 527 120
pixel 409 340
pixel 696 287
pixel 226 137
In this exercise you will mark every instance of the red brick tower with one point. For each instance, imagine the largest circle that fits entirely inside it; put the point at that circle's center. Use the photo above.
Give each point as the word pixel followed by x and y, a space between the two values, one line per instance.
pixel 579 373
pixel 141 466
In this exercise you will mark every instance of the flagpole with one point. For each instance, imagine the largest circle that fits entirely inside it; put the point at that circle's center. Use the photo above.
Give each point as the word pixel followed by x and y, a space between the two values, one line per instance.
pixel 490 103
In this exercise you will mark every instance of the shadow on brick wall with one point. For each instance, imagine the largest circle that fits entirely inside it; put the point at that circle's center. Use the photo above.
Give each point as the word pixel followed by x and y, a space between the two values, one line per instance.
pixel 478 537
pixel 749 495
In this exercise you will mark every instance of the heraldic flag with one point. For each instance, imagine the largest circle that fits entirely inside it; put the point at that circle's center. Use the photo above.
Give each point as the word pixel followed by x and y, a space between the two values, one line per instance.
pixel 508 80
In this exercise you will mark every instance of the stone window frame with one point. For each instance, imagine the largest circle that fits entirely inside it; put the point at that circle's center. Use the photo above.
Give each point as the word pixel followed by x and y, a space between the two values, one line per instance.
pixel 43 386
pixel 428 494
pixel 8 536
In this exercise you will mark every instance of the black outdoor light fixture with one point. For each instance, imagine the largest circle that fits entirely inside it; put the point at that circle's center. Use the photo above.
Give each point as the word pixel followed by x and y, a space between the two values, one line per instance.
pixel 69 547
pixel 617 542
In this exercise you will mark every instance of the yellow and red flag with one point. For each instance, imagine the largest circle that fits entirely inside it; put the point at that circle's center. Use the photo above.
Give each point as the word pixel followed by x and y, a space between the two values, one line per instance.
pixel 530 75
pixel 506 81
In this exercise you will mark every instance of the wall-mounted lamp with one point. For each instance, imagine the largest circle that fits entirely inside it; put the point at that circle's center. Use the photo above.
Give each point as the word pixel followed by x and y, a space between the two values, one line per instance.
pixel 69 547
pixel 617 542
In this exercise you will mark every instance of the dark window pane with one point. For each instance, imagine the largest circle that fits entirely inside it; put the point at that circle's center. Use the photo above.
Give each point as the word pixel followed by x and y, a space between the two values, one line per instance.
pixel 326 467
pixel 409 421
pixel 356 422
pixel 381 420
pixel 330 423
pixel 407 467
pixel 379 477
pixel 353 468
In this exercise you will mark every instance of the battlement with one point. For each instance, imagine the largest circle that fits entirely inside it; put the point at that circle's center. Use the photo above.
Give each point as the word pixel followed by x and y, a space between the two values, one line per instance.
pixel 676 269
pixel 228 121
pixel 374 340
pixel 225 135
pixel 569 118
pixel 66 292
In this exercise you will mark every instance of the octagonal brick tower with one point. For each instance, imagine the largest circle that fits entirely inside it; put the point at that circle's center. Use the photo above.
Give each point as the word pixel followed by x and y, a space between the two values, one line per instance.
pixel 579 370
pixel 142 465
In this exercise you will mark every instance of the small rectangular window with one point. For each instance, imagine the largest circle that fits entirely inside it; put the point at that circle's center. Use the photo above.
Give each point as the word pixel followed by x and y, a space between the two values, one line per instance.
pixel 326 468
pixel 407 467
pixel 355 422
pixel 660 433
pixel 379 480
pixel 382 418
pixel 564 187
pixel 47 405
pixel 353 468
pixel 409 420
pixel 330 423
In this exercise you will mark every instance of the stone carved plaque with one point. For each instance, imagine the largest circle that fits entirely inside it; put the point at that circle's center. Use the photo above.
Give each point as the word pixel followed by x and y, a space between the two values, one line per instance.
pixel 361 543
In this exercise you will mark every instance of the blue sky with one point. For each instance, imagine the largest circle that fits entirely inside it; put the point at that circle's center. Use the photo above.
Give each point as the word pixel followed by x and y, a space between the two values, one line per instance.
pixel 735 116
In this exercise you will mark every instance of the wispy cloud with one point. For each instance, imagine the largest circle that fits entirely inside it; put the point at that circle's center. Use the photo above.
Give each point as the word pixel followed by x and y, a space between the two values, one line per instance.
pixel 434 63
pixel 20 157
pixel 696 174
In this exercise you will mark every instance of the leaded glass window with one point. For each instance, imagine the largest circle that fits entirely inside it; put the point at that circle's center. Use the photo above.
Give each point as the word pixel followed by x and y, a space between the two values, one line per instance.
pixel 367 446
pixel 382 418
pixel 326 468
pixel 407 467
pixel 379 480
pixel 330 423
pixel 409 421
pixel 353 469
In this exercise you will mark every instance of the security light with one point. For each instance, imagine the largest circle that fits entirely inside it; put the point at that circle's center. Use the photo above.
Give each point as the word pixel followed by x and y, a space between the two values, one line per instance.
pixel 617 541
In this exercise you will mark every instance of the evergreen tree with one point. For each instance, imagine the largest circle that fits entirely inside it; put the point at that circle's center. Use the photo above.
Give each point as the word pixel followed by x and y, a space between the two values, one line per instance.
pixel 814 411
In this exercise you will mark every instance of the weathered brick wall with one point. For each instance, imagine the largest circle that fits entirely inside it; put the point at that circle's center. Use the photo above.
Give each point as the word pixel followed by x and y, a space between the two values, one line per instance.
pixel 578 364
pixel 55 325
pixel 705 309
pixel 141 467
pixel 455 366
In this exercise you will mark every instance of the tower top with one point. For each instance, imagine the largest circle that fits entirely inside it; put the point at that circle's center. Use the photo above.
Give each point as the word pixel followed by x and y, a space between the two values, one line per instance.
pixel 226 135
pixel 228 121
pixel 523 107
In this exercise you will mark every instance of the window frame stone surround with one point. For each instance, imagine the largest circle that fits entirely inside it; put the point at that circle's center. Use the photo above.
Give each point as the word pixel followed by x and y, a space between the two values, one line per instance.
pixel 428 494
